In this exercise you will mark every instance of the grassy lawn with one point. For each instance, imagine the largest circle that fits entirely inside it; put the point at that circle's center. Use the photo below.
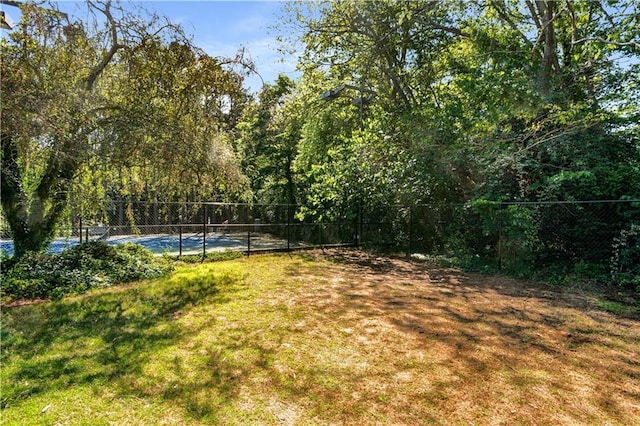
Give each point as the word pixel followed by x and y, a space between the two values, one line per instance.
pixel 308 339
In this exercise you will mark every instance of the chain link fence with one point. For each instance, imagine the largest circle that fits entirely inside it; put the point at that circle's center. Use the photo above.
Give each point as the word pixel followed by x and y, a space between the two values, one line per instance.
pixel 514 237
pixel 188 228
pixel 603 236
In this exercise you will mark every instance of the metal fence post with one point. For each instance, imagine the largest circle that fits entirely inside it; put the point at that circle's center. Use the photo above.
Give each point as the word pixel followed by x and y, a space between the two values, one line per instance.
pixel 248 241
pixel 204 232
pixel 356 236
pixel 180 234
pixel 410 229
pixel 359 229
pixel 501 207
pixel 80 231
pixel 288 228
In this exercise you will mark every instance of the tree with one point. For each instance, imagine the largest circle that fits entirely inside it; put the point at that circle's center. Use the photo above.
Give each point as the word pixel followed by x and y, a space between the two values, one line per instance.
pixel 268 136
pixel 396 49
pixel 50 109
pixel 492 100
pixel 171 126
pixel 571 67
pixel 473 87
pixel 123 91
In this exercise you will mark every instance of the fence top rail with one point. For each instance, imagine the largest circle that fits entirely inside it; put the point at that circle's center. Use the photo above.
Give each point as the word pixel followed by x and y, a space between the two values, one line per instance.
pixel 202 203
pixel 509 203
pixel 256 205
pixel 517 203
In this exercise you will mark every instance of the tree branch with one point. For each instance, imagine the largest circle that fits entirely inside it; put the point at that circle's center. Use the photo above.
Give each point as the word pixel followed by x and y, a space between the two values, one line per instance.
pixel 501 9
pixel 603 40
pixel 115 46
pixel 534 15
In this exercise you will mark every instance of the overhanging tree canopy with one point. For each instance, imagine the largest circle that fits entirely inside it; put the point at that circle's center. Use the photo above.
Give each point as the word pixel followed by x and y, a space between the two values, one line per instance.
pixel 123 90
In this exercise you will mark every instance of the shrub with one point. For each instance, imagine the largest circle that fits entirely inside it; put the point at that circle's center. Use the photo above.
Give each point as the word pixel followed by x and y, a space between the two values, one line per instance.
pixel 625 262
pixel 79 269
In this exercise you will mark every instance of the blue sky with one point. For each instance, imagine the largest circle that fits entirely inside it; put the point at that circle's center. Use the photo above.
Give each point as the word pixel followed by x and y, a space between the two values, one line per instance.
pixel 220 28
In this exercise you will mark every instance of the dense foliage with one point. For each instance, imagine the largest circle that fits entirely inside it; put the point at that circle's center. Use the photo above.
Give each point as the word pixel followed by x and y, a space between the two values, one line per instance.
pixel 79 269
pixel 441 103
pixel 479 103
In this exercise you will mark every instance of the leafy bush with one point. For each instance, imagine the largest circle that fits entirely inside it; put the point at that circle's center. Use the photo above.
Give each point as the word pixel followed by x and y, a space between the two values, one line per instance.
pixel 79 269
pixel 625 262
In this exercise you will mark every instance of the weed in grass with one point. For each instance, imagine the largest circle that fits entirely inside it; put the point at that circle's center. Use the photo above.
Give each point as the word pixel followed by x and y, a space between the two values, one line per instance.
pixel 614 307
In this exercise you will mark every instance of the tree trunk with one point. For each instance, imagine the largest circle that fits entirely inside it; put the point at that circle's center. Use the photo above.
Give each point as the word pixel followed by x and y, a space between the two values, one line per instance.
pixel 550 64
pixel 33 222
pixel 13 197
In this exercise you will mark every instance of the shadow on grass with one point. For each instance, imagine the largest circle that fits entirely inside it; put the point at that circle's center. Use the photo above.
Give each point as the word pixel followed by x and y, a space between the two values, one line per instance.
pixel 387 264
pixel 540 342
pixel 99 339
pixel 338 341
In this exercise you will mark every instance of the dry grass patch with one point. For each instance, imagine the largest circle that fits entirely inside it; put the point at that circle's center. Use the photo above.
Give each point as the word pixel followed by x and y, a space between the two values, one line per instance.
pixel 341 337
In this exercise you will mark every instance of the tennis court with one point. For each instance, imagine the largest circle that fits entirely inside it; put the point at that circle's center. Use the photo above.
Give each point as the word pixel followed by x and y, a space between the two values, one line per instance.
pixel 185 243
pixel 157 243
